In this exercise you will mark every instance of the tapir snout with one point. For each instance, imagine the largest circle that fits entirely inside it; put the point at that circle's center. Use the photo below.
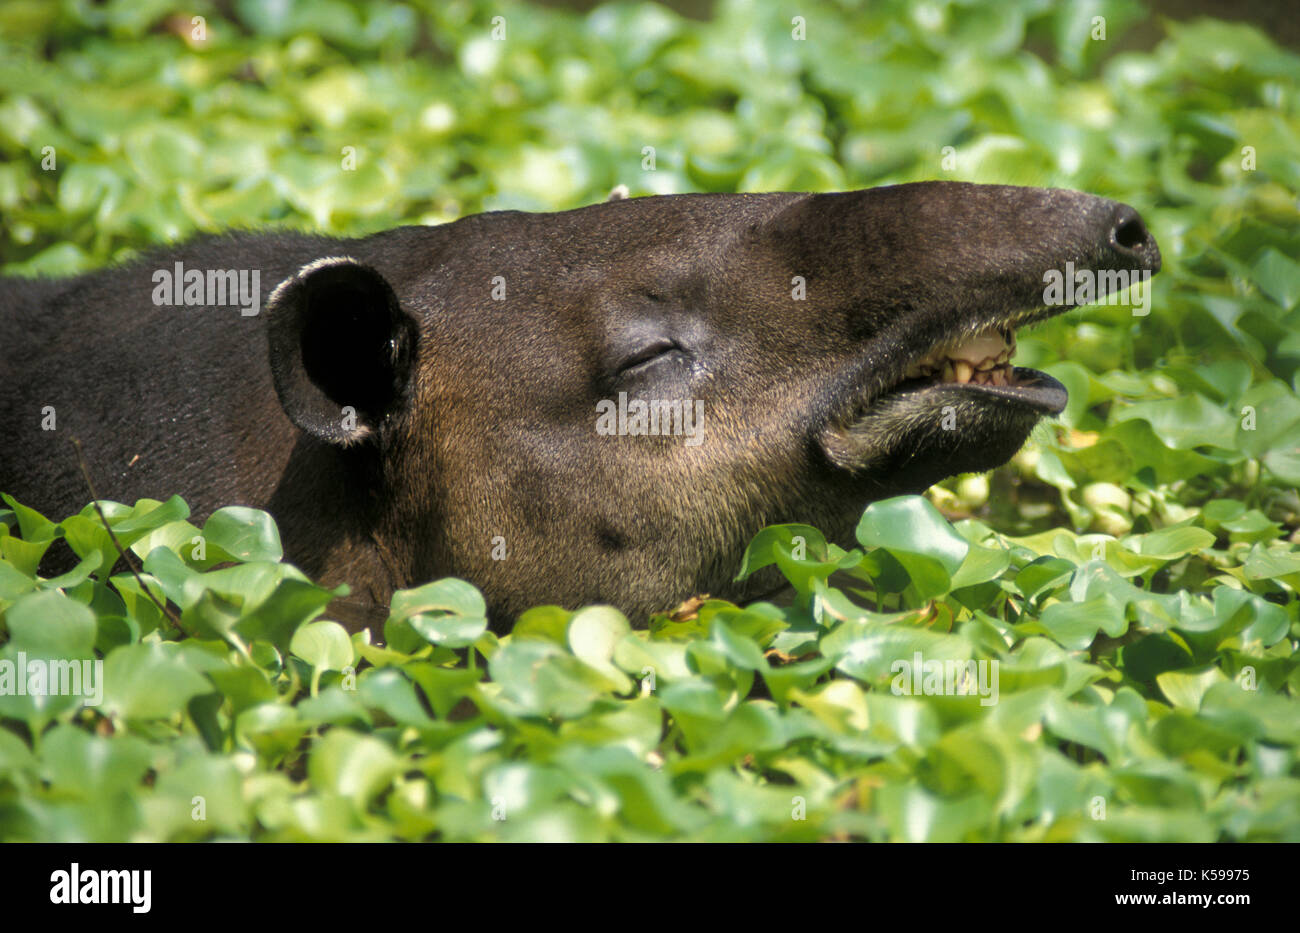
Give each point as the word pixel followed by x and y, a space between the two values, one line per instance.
pixel 599 405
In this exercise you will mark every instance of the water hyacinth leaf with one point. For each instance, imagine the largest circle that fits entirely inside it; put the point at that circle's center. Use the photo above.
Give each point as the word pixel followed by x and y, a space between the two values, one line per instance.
pixel 919 538
pixel 799 551
pixel 93 766
pixel 1150 656
pixel 912 525
pixel 1279 277
pixel 1252 713
pixel 1172 542
pixel 697 707
pixel 739 650
pixel 651 661
pixel 243 686
pixel 447 612
pixel 1283 456
pixel 870 651
pixel 75 577
pixel 981 565
pixel 1075 625
pixel 1186 422
pixel 243 533
pixel 87 536
pixel 388 690
pixel 149 681
pixel 1042 573
pixel 449 630
pixel 797 676
pixel 355 767
pixel 1264 564
pixel 324 645
pixel 1251 527
pixel 148 515
pixel 25 556
pixel 27 684
pixel 182 537
pixel 645 797
pixel 292 602
pixel 998 765
pixel 593 636
pixel 48 624
pixel 914 815
pixel 444 687
pixel 540 678
pixel 32 525
pixel 519 787
pixel 211 616
pixel 550 622
pixel 1255 618
pixel 1186 688
pixel 1150 453
pixel 172 576
pixel 1267 412
pixel 1181 733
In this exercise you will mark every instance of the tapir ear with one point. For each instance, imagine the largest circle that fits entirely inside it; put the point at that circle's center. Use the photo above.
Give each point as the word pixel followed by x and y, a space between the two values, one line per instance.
pixel 342 349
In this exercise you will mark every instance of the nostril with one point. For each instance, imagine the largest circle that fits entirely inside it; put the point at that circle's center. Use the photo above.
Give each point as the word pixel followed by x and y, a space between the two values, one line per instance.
pixel 1129 231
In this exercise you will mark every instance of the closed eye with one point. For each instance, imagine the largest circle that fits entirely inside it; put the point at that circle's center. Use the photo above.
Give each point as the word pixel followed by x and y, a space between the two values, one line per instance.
pixel 648 355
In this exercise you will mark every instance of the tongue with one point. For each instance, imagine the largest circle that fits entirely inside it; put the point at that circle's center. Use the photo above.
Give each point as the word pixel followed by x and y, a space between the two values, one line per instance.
pixel 979 348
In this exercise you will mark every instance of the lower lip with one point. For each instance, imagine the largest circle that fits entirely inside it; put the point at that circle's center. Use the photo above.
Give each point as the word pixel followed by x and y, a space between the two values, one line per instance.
pixel 1032 389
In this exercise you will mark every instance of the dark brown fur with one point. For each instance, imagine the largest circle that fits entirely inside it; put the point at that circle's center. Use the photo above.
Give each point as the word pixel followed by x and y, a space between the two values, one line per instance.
pixel 475 417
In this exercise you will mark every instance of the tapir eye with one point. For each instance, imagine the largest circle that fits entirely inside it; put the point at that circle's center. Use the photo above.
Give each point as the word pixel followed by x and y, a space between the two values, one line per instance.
pixel 647 355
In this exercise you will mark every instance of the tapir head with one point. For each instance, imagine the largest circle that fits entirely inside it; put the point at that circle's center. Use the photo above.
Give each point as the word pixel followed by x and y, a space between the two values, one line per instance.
pixel 604 405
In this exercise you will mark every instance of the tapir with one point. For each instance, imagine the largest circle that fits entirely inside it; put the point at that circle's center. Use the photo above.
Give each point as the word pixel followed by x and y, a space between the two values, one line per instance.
pixel 600 405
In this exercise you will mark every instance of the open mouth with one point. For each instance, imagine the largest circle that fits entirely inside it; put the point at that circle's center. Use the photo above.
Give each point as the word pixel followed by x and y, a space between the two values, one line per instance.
pixel 982 364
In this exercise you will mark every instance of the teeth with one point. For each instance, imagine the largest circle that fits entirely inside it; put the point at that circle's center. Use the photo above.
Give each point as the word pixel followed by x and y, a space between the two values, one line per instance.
pixel 983 359
pixel 989 343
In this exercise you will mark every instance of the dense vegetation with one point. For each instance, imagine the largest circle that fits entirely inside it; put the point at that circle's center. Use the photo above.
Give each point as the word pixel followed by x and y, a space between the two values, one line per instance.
pixel 1133 572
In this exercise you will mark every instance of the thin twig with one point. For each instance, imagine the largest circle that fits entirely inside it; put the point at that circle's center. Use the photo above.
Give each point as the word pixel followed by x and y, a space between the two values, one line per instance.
pixel 130 564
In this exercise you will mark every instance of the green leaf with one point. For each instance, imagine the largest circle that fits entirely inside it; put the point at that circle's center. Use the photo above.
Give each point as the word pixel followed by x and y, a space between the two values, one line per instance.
pixel 777 540
pixel 243 533
pixel 447 612
pixel 323 645
pixel 594 634
pixel 50 625
pixel 1075 625
pixel 1186 688
pixel 450 631
pixel 353 766
pixel 550 622
pixel 94 767
pixel 870 651
pixel 32 525
pixel 1171 543
pixel 913 525
pixel 149 681
pixel 388 690
pixel 1279 277
pixel 914 533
